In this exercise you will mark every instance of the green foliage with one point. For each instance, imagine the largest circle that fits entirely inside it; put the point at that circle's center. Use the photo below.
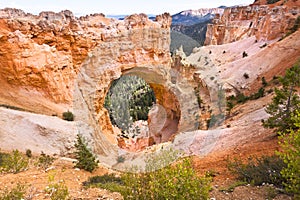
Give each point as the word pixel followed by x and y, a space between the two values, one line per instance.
pixel 129 99
pixel 85 158
pixel 260 93
pixel 57 190
pixel 16 193
pixel 246 75
pixel 177 181
pixel 162 180
pixel 296 25
pixel 199 100
pixel 28 153
pixel 285 102
pixel 120 159
pixel 2 157
pixel 103 181
pixel 263 46
pixel 14 162
pixel 68 116
pixel 45 161
pixel 272 1
pixel 264 82
pixel 229 107
pixel 260 170
pixel 290 144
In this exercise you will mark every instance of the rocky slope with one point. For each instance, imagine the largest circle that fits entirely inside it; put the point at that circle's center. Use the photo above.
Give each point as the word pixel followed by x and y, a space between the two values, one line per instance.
pixel 265 22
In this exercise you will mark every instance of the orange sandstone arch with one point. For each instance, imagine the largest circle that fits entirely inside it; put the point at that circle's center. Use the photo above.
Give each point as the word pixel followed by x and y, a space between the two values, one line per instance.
pixel 141 51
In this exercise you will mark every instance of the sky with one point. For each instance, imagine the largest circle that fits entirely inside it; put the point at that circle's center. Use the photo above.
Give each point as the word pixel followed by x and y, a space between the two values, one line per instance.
pixel 115 7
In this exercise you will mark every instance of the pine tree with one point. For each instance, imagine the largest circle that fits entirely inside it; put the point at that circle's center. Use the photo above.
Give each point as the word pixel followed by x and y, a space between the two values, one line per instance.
pixel 85 158
pixel 285 102
pixel 290 154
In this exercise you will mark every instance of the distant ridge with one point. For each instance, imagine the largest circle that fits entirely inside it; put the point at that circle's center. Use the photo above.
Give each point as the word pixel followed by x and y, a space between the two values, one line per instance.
pixel 189 27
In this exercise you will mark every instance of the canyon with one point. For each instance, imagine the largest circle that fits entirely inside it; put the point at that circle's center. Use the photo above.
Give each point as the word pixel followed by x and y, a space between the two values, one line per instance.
pixel 55 62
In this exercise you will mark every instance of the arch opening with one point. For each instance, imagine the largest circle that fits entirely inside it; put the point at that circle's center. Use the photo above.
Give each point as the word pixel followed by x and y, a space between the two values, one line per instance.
pixel 141 113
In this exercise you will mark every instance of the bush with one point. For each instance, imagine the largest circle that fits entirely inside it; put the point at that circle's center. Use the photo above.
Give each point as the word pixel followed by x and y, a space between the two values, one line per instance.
pixel 285 102
pixel 2 157
pixel 68 116
pixel 264 82
pixel 245 54
pixel 100 181
pixel 260 93
pixel 57 191
pixel 120 159
pixel 160 180
pixel 14 162
pixel 246 76
pixel 85 158
pixel 45 161
pixel 177 181
pixel 260 170
pixel 290 154
pixel 16 193
pixel 28 153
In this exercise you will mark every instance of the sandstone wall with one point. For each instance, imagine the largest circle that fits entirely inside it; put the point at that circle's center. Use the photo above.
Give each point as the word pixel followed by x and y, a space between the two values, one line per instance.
pixel 265 22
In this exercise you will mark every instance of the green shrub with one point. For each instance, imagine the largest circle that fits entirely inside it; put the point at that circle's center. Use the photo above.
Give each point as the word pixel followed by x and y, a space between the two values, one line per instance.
pixel 85 158
pixel 241 98
pixel 45 161
pixel 285 102
pixel 57 190
pixel 68 116
pixel 2 157
pixel 264 82
pixel 161 180
pixel 14 162
pixel 246 76
pixel 120 159
pixel 260 93
pixel 28 153
pixel 100 181
pixel 178 181
pixel 260 170
pixel 290 144
pixel 16 193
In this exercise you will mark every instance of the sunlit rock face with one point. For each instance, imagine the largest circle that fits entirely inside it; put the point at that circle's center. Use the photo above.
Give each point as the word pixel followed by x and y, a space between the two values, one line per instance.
pixel 265 22
pixel 54 62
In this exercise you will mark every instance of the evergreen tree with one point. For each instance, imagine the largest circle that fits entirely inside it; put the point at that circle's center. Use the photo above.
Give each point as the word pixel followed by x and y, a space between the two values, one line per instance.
pixel 285 102
pixel 290 154
pixel 85 158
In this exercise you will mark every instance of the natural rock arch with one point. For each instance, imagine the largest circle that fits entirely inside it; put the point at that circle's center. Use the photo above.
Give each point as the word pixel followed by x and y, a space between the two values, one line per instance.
pixel 140 51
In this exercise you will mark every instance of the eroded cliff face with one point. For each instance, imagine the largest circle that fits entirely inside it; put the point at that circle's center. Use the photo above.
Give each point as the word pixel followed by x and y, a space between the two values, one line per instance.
pixel 44 53
pixel 54 62
pixel 265 22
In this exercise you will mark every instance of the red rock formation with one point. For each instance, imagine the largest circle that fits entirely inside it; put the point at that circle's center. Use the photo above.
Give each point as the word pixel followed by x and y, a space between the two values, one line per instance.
pixel 44 53
pixel 266 22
